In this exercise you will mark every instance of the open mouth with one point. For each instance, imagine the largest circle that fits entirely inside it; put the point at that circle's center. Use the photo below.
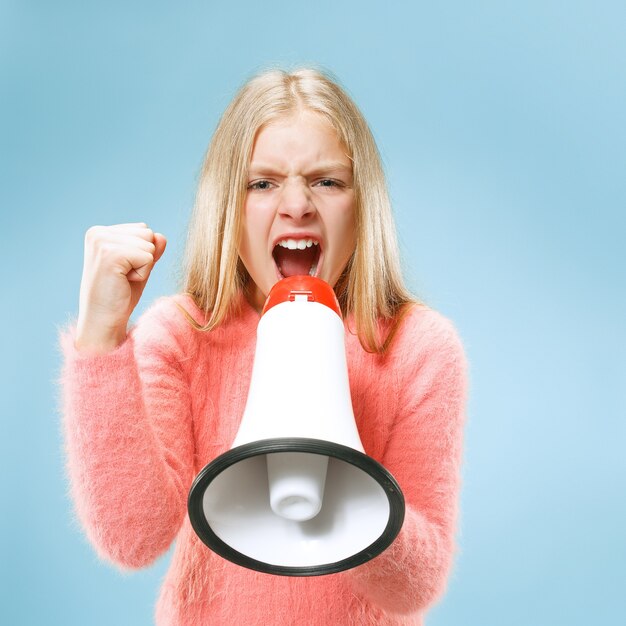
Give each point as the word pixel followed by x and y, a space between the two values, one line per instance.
pixel 296 257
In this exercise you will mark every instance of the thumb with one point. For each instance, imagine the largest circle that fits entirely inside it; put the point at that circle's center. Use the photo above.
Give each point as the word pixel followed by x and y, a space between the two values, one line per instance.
pixel 159 243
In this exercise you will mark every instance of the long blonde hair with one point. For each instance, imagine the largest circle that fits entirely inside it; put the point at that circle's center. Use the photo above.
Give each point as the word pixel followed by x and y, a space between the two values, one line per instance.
pixel 371 288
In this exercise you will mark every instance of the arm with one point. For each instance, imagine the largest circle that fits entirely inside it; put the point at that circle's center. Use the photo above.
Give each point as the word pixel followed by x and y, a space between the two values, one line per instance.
pixel 424 454
pixel 128 439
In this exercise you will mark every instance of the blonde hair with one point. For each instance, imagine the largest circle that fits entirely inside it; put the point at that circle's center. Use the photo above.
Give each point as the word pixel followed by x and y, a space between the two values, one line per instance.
pixel 371 287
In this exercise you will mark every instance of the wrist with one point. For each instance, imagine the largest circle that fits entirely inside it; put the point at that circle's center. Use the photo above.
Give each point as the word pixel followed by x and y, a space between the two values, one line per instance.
pixel 98 338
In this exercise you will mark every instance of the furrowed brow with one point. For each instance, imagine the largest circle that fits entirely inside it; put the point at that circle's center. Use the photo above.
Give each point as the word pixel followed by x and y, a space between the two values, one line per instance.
pixel 331 168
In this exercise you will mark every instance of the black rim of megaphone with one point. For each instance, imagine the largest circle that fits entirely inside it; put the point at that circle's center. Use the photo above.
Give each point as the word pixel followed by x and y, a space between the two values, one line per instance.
pixel 314 446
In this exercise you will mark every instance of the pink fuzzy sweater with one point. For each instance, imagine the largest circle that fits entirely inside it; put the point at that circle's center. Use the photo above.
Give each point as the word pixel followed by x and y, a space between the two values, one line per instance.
pixel 141 422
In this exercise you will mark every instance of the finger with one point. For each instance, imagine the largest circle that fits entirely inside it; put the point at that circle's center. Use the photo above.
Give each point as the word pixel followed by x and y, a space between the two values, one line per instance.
pixel 98 237
pixel 138 230
pixel 127 241
pixel 137 264
pixel 137 276
pixel 143 273
pixel 128 225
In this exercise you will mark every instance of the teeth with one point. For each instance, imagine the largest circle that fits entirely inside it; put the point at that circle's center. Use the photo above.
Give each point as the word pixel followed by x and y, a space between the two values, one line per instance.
pixel 300 244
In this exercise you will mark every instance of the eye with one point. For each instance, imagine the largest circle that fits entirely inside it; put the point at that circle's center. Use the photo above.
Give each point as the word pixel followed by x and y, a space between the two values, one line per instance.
pixel 260 185
pixel 328 182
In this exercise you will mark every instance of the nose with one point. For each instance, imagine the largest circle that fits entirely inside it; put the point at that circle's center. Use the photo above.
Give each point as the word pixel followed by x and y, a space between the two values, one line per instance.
pixel 296 201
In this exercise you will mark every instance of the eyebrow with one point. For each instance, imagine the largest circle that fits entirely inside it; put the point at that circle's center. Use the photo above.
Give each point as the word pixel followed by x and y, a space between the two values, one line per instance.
pixel 328 167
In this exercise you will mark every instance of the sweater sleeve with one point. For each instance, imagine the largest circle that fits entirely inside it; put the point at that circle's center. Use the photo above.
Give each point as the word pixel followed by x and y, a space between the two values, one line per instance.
pixel 128 437
pixel 424 454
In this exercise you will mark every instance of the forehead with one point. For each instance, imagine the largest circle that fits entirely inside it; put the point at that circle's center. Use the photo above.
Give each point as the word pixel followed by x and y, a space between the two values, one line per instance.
pixel 303 136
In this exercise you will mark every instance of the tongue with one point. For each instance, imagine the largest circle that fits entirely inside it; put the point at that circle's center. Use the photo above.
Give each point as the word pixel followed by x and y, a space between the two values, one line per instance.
pixel 295 262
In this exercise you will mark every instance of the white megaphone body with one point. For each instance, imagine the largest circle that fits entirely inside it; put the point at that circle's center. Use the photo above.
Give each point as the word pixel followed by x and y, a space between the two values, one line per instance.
pixel 296 494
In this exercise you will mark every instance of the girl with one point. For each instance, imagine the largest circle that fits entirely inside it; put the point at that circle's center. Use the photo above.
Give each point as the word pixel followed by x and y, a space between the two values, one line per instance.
pixel 292 184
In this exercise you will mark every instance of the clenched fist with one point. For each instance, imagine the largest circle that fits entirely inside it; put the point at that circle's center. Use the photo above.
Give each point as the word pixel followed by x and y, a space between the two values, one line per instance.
pixel 118 261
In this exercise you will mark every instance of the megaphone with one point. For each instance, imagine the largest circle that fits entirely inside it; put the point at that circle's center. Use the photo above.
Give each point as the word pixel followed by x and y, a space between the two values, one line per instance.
pixel 296 495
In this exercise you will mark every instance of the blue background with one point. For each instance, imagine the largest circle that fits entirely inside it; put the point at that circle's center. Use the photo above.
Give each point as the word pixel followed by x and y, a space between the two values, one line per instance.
pixel 503 130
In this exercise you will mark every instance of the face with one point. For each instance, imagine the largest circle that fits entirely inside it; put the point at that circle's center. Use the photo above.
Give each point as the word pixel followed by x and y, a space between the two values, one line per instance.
pixel 299 208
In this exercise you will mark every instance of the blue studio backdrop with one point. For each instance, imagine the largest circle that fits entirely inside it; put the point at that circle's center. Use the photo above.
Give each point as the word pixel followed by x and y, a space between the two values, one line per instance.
pixel 502 127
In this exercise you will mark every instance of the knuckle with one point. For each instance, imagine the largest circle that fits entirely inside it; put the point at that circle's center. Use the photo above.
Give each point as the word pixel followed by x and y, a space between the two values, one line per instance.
pixel 92 233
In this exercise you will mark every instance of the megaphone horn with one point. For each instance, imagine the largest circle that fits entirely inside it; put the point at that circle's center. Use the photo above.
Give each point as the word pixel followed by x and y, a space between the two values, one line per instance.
pixel 296 495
